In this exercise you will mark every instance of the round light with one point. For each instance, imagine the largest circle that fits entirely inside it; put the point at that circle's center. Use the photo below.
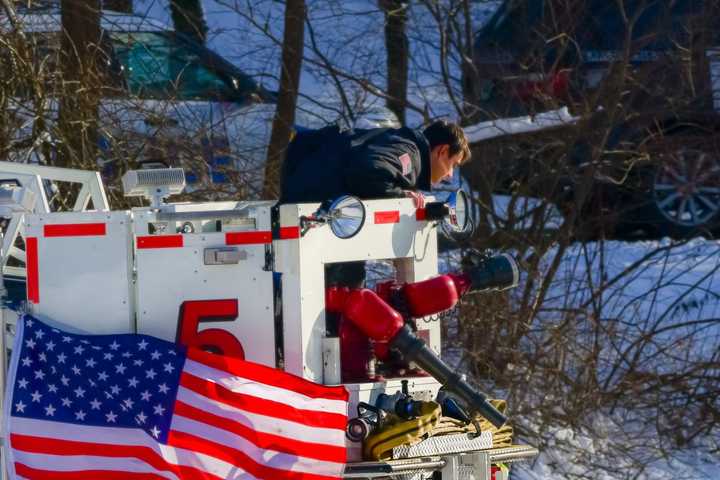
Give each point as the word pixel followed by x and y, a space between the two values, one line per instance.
pixel 346 216
pixel 458 219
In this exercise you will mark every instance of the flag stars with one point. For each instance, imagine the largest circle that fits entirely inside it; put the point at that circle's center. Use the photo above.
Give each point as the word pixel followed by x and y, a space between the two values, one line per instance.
pixel 126 355
pixel 120 368
pixel 42 357
pixel 90 363
pixel 27 361
pixel 20 407
pixel 76 370
pixel 150 374
pixel 114 346
pixel 65 380
pixel 66 339
pixel 29 322
pixel 145 396
pixel 36 396
pixel 102 376
pixel 66 402
pixel 52 388
pixel 168 367
pixel 155 432
pixel 79 350
pixel 79 392
pixel 110 417
pixel 22 383
pixel 39 334
pixel 61 358
pixel 95 404
pixel 115 389
pixel 108 356
pixel 159 409
pixel 39 374
pixel 138 362
pixel 80 415
pixel 133 382
pixel 50 411
pixel 155 355
pixel 50 346
pixel 143 344
pixel 30 343
pixel 140 418
pixel 128 402
pixel 163 388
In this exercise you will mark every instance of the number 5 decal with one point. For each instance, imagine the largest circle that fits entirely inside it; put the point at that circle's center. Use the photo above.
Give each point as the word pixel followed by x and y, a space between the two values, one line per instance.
pixel 215 340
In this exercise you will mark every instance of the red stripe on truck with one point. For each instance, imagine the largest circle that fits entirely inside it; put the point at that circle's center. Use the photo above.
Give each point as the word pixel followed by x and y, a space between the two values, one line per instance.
pixel 31 263
pixel 247 238
pixel 391 216
pixel 160 241
pixel 74 230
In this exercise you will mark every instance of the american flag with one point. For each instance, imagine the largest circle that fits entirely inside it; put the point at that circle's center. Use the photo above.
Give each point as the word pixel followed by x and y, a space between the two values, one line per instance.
pixel 136 407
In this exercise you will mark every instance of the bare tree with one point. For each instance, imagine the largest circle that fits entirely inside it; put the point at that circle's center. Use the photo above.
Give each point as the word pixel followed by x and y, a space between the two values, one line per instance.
pixel 189 19
pixel 292 51
pixel 81 63
pixel 125 6
pixel 397 48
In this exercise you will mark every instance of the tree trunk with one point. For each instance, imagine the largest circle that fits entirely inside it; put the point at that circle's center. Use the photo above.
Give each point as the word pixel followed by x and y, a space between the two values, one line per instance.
pixel 292 52
pixel 189 19
pixel 78 103
pixel 396 46
pixel 125 6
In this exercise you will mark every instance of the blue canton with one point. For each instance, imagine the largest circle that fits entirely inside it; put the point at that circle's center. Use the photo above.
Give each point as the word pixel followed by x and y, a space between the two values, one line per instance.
pixel 127 381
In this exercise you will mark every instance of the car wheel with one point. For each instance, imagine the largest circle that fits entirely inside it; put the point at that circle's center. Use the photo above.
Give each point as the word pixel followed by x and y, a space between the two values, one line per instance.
pixel 685 191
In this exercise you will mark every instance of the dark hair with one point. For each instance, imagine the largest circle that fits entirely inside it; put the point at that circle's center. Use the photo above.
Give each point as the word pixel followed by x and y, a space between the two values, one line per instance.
pixel 442 132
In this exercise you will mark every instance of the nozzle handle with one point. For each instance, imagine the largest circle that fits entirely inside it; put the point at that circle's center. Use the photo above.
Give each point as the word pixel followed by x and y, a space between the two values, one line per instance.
pixel 414 349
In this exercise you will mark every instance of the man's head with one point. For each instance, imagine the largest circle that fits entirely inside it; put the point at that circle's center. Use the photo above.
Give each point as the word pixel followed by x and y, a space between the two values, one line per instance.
pixel 448 148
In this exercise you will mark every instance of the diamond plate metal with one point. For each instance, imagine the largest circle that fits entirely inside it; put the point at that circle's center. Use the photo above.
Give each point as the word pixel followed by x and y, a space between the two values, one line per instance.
pixel 444 444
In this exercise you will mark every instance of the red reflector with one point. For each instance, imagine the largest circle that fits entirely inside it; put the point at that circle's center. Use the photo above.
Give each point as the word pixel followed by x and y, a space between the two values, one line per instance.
pixel 31 262
pixel 289 233
pixel 160 241
pixel 74 230
pixel 247 238
pixel 420 214
pixel 392 216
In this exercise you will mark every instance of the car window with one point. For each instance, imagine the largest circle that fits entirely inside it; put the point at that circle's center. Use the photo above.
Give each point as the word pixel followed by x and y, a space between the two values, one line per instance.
pixel 161 65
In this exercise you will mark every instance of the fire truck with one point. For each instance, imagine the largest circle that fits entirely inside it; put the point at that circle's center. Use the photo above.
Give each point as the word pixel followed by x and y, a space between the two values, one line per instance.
pixel 247 279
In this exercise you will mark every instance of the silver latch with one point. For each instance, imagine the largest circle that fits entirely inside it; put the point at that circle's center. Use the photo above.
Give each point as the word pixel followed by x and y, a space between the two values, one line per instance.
pixel 224 255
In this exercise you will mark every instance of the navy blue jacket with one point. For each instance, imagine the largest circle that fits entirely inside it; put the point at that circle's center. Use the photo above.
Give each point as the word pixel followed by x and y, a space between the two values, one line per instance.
pixel 388 162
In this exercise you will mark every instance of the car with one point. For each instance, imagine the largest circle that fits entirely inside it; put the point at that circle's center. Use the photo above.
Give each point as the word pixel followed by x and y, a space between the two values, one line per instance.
pixel 645 157
pixel 164 98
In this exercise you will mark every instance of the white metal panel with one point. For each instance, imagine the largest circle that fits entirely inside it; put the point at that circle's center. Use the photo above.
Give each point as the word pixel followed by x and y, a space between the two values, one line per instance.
pixel 169 276
pixel 84 270
pixel 391 231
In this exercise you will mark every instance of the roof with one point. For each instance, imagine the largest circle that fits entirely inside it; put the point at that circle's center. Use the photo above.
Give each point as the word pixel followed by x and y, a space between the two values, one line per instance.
pixel 50 21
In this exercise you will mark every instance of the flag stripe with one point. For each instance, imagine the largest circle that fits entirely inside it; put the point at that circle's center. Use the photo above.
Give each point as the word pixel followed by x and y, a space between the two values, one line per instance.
pixel 267 375
pixel 36 474
pixel 243 384
pixel 288 460
pixel 78 463
pixel 239 458
pixel 262 423
pixel 279 443
pixel 52 446
pixel 262 406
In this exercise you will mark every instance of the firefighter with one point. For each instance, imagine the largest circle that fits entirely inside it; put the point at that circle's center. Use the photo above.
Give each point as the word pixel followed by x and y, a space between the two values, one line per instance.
pixel 376 163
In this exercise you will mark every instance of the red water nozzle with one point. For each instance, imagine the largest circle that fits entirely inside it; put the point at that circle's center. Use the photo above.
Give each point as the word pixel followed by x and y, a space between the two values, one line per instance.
pixel 335 298
pixel 372 315
pixel 436 294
